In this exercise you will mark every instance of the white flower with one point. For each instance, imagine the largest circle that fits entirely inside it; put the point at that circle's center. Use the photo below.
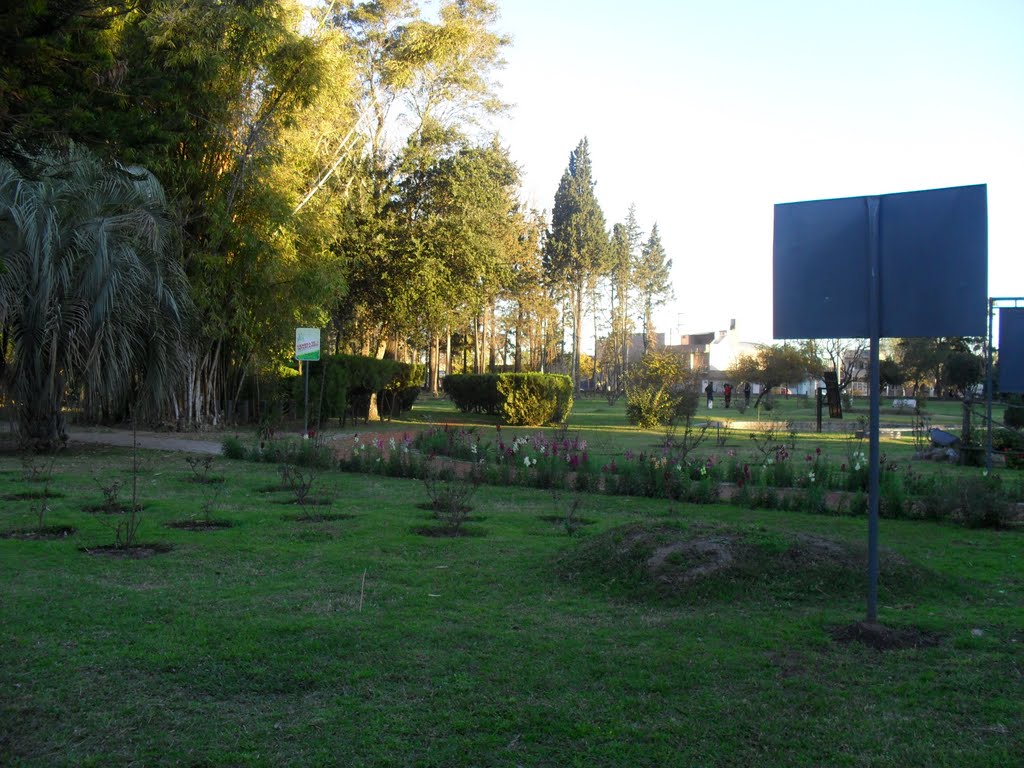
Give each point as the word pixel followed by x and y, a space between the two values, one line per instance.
pixel 810 477
pixel 391 443
pixel 472 449
pixel 526 461
pixel 515 447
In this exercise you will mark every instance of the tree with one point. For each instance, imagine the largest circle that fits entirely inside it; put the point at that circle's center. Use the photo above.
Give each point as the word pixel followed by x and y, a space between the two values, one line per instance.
pixel 653 281
pixel 577 242
pixel 659 390
pixel 948 362
pixel 963 371
pixel 431 80
pixel 772 367
pixel 92 294
pixel 847 358
pixel 890 374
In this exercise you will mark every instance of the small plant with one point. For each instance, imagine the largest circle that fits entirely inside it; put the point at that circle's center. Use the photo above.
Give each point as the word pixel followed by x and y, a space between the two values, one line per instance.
pixel 201 467
pixel 723 431
pixel 300 480
pixel 38 467
pixel 210 502
pixel 111 492
pixel 567 514
pixel 921 431
pixel 766 441
pixel 450 495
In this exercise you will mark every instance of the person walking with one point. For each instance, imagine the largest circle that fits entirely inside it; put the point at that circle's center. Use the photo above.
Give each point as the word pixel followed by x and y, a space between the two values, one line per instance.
pixel 746 393
pixel 727 389
pixel 709 390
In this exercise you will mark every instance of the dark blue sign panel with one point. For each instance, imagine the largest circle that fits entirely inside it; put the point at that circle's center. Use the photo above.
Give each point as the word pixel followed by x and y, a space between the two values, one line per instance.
pixel 1011 349
pixel 933 257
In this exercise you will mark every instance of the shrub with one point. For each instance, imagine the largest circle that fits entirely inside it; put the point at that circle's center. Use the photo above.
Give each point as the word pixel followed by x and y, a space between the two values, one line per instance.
pixel 1013 417
pixel 473 393
pixel 982 504
pixel 534 398
pixel 518 398
pixel 233 447
pixel 1012 444
pixel 659 391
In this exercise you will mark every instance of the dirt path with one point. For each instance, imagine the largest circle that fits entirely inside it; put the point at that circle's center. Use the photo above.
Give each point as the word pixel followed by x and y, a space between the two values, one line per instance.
pixel 157 441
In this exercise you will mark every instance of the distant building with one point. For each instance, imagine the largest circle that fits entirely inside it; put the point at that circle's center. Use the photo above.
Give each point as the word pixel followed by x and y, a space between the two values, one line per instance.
pixel 710 354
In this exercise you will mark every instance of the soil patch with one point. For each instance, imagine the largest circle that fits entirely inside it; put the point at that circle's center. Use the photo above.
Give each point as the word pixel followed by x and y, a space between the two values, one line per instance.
pixel 309 501
pixel 135 552
pixel 102 509
pixel 446 532
pixel 39 534
pixel 211 480
pixel 27 495
pixel 432 507
pixel 278 488
pixel 318 517
pixel 200 525
pixel 883 638
pixel 560 519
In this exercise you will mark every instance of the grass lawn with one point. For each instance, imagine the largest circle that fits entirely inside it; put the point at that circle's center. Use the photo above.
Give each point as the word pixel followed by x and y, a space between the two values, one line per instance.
pixel 358 641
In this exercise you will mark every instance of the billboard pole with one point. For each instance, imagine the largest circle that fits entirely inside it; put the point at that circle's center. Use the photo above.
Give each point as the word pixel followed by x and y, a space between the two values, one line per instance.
pixel 988 387
pixel 874 326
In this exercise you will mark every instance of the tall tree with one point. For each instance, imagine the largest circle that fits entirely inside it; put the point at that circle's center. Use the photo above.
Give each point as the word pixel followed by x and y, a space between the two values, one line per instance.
pixel 771 367
pixel 653 281
pixel 847 358
pixel 423 87
pixel 92 293
pixel 577 242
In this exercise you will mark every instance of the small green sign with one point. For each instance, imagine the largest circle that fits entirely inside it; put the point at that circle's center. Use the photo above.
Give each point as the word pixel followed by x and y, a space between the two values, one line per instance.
pixel 307 343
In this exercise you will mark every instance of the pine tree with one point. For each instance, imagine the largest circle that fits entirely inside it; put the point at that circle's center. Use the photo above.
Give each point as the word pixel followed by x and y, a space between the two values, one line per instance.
pixel 577 243
pixel 653 281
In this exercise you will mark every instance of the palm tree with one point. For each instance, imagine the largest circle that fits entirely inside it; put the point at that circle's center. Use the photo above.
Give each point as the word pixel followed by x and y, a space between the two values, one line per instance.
pixel 90 293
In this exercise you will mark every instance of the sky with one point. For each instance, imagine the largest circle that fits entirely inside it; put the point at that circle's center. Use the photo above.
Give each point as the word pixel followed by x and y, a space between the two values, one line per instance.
pixel 705 114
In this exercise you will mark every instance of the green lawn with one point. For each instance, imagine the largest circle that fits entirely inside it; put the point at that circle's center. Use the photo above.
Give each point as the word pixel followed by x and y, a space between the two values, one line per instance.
pixel 261 644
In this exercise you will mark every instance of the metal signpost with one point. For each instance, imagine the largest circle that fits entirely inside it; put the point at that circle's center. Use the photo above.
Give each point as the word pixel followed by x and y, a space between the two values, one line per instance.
pixel 307 350
pixel 1011 357
pixel 908 264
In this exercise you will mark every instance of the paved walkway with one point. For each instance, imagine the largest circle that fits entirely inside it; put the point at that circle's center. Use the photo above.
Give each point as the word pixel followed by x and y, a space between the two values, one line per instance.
pixel 158 441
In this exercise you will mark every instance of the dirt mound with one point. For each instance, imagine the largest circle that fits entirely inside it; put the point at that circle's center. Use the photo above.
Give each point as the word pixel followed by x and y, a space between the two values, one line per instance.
pixel 677 561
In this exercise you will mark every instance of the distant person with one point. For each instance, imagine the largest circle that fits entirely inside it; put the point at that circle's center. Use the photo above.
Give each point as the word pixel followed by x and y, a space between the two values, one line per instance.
pixel 746 393
pixel 728 394
pixel 709 390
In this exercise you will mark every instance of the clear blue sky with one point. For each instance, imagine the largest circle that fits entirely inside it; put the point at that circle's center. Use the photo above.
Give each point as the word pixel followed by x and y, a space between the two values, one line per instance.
pixel 706 114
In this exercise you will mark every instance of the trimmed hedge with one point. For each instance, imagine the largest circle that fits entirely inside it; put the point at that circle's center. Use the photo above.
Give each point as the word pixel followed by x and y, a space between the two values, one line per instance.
pixel 517 398
pixel 352 379
pixel 473 393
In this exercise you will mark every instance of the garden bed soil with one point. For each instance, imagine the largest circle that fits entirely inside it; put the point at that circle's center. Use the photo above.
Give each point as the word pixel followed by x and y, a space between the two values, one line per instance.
pixel 309 501
pixel 31 495
pixel 45 533
pixel 134 552
pixel 560 519
pixel 883 638
pixel 318 517
pixel 200 525
pixel 101 509
pixel 447 532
